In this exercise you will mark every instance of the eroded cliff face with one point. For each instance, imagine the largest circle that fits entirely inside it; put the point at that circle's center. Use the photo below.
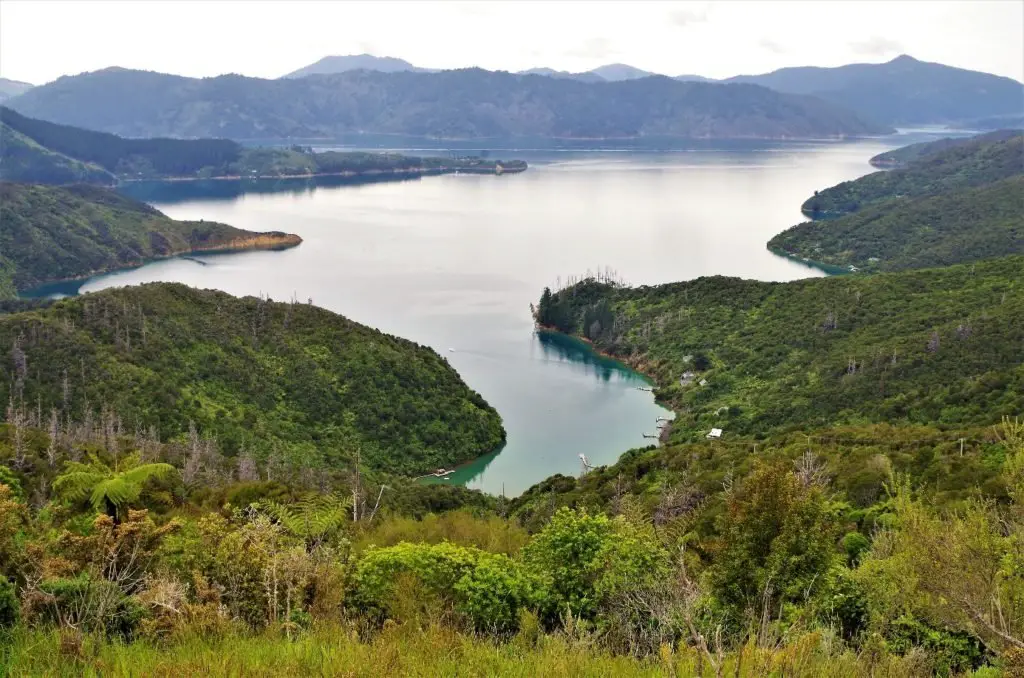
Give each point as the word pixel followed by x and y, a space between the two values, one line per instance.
pixel 272 240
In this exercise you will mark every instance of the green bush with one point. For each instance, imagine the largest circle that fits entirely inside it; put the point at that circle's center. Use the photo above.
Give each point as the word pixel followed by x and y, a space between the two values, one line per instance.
pixel 490 589
pixel 952 652
pixel 583 560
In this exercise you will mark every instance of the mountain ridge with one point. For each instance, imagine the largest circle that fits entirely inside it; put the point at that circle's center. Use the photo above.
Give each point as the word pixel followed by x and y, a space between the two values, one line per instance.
pixel 470 103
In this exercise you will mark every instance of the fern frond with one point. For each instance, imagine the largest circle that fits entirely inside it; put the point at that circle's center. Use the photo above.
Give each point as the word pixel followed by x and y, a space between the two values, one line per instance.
pixel 140 474
pixel 77 484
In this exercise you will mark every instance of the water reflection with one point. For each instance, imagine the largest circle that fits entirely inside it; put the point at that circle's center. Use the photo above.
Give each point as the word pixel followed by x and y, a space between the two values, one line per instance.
pixel 229 189
pixel 581 357
pixel 467 472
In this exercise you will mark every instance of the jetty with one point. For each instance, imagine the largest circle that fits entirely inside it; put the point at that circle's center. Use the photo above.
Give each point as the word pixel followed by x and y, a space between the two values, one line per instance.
pixel 439 473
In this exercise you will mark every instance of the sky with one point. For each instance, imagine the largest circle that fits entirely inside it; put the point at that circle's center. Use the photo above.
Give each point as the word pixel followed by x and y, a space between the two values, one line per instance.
pixel 40 40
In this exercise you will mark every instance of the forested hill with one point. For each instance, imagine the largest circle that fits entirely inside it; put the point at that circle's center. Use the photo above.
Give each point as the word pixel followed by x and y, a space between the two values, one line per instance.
pixel 41 140
pixel 936 346
pixel 925 169
pixel 462 103
pixel 44 152
pixel 948 202
pixel 901 157
pixel 956 226
pixel 289 381
pixel 52 233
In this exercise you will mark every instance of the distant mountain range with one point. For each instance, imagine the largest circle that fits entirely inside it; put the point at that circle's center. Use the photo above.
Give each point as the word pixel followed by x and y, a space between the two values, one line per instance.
pixel 471 103
pixel 903 91
pixel 12 88
pixel 355 62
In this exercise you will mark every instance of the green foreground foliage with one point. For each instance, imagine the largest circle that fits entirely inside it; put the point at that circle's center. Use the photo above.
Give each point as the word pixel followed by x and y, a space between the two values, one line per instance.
pixel 49 233
pixel 772 575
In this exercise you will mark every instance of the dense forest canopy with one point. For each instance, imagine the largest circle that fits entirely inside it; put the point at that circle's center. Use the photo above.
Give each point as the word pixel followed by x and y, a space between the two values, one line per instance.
pixel 948 201
pixel 50 233
pixel 955 226
pixel 269 378
pixel 937 347
pixel 932 168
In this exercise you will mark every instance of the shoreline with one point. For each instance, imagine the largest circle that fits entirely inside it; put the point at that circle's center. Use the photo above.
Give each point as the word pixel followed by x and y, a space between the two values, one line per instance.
pixel 827 269
pixel 281 241
pixel 411 171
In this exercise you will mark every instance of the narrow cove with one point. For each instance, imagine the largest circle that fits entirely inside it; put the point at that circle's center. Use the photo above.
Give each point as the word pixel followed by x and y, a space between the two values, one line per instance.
pixel 454 262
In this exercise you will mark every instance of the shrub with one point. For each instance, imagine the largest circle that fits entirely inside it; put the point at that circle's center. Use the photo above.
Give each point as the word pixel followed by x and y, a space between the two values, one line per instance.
pixel 489 589
pixel 89 604
pixel 583 560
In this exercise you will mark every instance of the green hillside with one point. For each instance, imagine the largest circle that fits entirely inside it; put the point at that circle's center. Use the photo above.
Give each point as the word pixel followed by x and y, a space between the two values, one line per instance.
pixel 291 380
pixel 50 233
pixel 907 155
pixel 23 159
pixel 939 346
pixel 925 169
pixel 957 226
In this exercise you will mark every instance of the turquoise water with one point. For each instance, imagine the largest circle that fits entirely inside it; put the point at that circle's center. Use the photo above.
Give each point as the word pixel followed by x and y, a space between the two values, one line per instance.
pixel 454 262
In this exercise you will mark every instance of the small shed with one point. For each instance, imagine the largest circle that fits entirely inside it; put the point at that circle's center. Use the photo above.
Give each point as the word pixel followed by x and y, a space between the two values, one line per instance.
pixel 714 433
pixel 703 382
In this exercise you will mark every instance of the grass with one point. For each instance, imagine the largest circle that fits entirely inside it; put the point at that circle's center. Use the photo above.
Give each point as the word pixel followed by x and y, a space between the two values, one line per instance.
pixel 336 650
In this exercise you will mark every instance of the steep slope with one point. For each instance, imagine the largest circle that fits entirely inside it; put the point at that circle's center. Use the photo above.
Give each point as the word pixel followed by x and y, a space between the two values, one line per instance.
pixel 283 380
pixel 133 158
pixel 903 91
pixel 953 226
pixel 466 103
pixel 49 233
pixel 941 347
pixel 925 169
pixel 24 159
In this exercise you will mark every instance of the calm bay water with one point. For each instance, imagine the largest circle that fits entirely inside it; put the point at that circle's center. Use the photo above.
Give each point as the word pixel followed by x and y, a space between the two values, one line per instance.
pixel 454 262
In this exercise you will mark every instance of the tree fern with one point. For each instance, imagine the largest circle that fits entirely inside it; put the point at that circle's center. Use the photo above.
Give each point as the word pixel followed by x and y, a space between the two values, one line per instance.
pixel 109 489
pixel 312 520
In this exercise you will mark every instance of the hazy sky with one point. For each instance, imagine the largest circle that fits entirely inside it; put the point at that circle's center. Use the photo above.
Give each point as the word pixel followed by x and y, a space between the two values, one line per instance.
pixel 43 39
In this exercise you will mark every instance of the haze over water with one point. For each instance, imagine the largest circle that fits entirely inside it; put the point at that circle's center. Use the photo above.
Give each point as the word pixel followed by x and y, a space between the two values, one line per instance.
pixel 454 262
